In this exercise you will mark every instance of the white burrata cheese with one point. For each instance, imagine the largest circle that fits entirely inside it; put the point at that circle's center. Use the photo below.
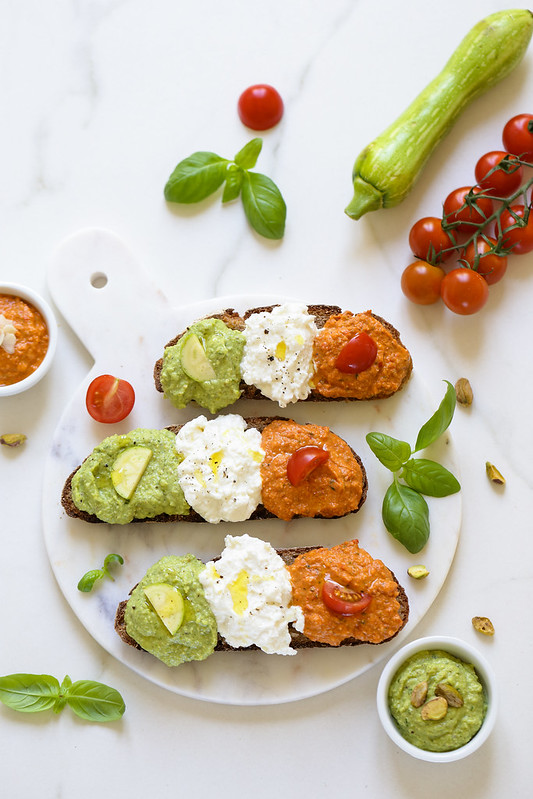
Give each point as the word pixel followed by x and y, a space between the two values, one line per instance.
pixel 278 352
pixel 249 591
pixel 220 473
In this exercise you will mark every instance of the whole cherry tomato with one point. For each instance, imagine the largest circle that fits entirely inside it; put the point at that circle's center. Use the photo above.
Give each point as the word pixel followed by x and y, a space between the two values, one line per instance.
pixel 519 238
pixel 260 107
pixel 467 215
pixel 303 461
pixel 421 282
pixel 505 179
pixel 518 136
pixel 464 291
pixel 358 354
pixel 344 600
pixel 109 399
pixel 427 240
pixel 490 265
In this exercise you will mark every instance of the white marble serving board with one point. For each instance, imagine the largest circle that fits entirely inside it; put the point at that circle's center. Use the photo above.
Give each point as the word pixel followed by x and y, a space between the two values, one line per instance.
pixel 124 320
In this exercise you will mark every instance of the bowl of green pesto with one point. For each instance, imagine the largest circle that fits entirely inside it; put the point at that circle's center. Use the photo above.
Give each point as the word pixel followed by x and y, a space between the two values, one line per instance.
pixel 437 699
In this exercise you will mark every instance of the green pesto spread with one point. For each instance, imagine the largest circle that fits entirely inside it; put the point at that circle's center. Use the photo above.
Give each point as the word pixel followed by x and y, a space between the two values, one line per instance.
pixel 224 348
pixel 158 490
pixel 460 724
pixel 197 636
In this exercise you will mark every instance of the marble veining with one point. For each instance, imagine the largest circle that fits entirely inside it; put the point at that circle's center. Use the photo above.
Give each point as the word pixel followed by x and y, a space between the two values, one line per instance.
pixel 100 100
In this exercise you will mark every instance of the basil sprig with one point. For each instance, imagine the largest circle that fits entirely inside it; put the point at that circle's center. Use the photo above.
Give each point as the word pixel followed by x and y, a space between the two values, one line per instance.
pixel 404 511
pixel 202 173
pixel 88 580
pixel 32 693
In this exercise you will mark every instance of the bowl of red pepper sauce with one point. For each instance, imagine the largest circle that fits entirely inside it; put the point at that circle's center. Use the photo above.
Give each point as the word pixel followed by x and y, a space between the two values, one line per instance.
pixel 28 337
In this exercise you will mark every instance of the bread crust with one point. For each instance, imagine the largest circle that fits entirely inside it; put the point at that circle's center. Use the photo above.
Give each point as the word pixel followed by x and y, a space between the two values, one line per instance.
pixel 298 639
pixel 321 313
pixel 257 422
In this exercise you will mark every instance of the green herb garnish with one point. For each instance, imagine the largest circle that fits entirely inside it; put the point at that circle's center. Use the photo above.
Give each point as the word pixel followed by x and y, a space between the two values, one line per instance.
pixel 89 578
pixel 202 173
pixel 31 693
pixel 404 511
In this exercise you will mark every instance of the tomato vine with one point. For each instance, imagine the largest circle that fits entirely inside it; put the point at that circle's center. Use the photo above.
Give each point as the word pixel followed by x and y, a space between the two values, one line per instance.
pixel 479 227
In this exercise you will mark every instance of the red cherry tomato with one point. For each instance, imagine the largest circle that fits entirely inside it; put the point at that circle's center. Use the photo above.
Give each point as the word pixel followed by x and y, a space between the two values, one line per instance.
pixel 518 136
pixel 260 107
pixel 341 599
pixel 358 354
pixel 421 282
pixel 303 461
pixel 490 265
pixel 427 240
pixel 505 180
pixel 519 238
pixel 464 291
pixel 109 399
pixel 465 217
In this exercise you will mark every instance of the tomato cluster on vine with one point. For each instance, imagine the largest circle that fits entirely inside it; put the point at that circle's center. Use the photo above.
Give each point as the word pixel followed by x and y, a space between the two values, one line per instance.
pixel 463 252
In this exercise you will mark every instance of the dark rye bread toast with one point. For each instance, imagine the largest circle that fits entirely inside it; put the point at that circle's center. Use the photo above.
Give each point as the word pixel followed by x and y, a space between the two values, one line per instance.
pixel 322 313
pixel 298 639
pixel 259 423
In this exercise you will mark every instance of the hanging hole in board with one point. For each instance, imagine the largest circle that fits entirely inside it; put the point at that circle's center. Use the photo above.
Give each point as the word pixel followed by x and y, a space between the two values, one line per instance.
pixel 98 280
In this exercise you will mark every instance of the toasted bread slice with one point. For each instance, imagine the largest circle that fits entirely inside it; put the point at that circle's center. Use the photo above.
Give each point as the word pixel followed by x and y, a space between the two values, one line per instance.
pixel 322 313
pixel 298 639
pixel 259 423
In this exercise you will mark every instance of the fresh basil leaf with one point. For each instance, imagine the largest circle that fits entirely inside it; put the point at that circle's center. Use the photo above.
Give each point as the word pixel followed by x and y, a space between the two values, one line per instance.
pixel 405 514
pixel 247 157
pixel 29 693
pixel 196 177
pixel 391 452
pixel 61 700
pixel 439 422
pixel 430 478
pixel 264 206
pixel 110 560
pixel 113 558
pixel 232 187
pixel 88 580
pixel 95 701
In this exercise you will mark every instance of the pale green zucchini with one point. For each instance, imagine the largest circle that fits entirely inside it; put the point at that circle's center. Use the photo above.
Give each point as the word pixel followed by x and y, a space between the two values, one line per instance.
pixel 385 171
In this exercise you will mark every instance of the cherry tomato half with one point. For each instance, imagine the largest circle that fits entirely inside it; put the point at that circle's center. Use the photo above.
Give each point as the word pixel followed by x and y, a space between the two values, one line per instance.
pixel 464 291
pixel 109 399
pixel 358 354
pixel 490 265
pixel 260 107
pixel 518 136
pixel 519 238
pixel 505 179
pixel 303 461
pixel 427 240
pixel 468 216
pixel 341 599
pixel 421 282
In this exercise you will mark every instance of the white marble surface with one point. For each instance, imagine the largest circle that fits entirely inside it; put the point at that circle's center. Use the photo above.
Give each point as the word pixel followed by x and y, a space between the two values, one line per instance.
pixel 100 100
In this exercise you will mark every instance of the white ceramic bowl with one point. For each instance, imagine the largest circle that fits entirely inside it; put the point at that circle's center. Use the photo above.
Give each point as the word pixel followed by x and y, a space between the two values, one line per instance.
pixel 31 296
pixel 461 650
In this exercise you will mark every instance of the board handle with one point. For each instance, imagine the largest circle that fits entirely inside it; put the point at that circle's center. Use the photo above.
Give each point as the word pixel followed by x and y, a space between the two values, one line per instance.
pixel 99 287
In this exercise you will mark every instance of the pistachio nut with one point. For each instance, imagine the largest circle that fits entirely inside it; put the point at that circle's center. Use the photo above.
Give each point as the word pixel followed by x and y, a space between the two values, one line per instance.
pixel 493 474
pixel 419 694
pixel 483 625
pixel 13 439
pixel 435 709
pixel 450 694
pixel 463 392
pixel 417 572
